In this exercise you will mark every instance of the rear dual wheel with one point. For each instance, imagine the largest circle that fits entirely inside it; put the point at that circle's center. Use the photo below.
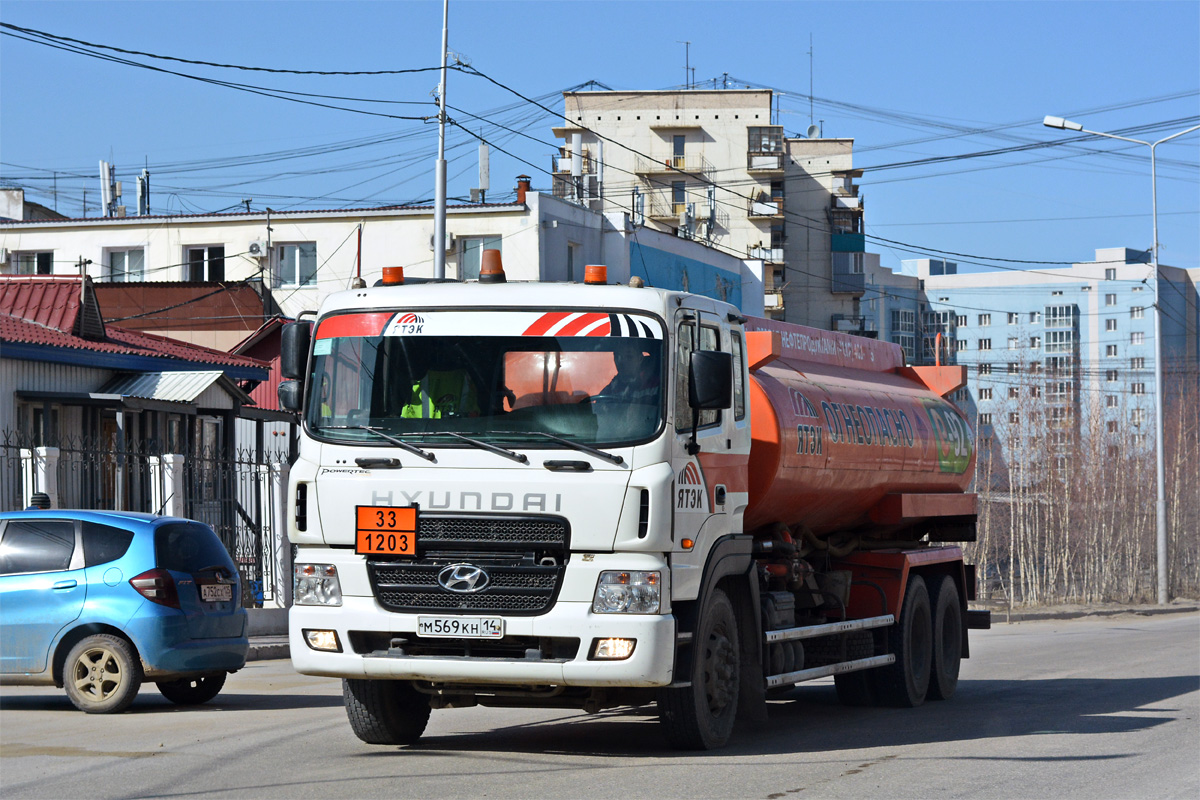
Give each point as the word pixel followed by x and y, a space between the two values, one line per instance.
pixel 927 641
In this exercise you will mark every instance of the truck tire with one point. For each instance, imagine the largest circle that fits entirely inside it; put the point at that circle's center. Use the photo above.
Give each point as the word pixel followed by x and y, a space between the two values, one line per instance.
pixel 906 682
pixel 947 640
pixel 385 712
pixel 857 688
pixel 701 716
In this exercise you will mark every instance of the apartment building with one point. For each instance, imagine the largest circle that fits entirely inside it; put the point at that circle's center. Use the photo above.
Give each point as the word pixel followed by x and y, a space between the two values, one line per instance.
pixel 714 166
pixel 1070 350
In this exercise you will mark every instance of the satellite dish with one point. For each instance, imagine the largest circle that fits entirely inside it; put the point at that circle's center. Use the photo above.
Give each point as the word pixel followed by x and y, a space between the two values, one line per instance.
pixel 813 131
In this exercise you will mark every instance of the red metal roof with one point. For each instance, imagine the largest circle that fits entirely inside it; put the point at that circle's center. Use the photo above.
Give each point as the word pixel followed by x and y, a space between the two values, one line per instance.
pixel 52 301
pixel 44 310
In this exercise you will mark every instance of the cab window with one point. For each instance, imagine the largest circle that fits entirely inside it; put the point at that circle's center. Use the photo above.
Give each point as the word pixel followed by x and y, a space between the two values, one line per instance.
pixel 690 337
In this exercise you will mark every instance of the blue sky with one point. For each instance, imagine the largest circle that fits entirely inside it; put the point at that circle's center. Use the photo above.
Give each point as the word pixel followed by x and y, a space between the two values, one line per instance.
pixel 907 81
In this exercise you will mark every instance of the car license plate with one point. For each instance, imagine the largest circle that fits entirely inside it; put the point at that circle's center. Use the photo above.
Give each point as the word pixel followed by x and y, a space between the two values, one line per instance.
pixel 385 530
pixel 216 592
pixel 461 627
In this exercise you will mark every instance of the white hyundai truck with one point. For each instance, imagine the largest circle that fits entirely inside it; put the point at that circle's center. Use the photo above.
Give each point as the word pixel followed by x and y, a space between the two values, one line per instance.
pixel 486 511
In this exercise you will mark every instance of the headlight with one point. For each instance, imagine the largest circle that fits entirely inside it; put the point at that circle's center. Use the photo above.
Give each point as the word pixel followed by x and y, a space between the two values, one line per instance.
pixel 627 593
pixel 317 585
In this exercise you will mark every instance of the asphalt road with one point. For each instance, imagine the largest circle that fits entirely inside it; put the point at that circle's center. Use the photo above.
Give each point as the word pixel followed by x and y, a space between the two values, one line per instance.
pixel 1090 708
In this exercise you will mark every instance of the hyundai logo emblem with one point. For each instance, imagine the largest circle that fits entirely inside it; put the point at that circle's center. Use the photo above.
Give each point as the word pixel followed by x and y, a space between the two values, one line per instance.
pixel 463 578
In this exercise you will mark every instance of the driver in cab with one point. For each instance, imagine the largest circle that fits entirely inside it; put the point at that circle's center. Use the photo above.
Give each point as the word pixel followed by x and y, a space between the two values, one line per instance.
pixel 635 380
pixel 445 391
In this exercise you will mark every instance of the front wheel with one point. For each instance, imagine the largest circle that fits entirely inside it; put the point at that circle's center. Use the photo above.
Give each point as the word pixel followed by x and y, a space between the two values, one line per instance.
pixel 192 691
pixel 701 716
pixel 385 712
pixel 102 674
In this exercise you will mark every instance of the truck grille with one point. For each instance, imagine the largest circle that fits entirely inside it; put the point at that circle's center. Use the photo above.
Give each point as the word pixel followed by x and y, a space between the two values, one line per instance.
pixel 523 558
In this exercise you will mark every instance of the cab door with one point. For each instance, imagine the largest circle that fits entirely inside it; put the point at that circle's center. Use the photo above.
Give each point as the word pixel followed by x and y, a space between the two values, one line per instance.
pixel 709 488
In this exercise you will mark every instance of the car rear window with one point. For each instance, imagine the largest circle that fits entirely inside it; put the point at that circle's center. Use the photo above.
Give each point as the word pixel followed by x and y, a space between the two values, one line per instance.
pixel 36 546
pixel 189 547
pixel 104 543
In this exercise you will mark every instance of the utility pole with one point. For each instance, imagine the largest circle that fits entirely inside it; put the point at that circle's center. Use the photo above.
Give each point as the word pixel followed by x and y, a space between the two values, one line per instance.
pixel 439 174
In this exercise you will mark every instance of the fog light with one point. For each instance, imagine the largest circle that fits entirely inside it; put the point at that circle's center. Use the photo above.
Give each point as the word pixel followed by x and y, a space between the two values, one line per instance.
pixel 612 649
pixel 323 640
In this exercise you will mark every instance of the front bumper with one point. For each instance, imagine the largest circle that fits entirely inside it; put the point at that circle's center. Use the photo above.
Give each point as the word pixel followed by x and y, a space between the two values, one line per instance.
pixel 360 619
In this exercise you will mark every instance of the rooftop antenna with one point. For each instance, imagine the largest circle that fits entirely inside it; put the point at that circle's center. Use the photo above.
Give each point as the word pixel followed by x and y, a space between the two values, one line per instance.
pixel 810 79
pixel 687 62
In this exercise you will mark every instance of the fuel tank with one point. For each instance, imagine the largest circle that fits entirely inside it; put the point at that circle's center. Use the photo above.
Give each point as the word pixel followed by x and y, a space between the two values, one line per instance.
pixel 844 435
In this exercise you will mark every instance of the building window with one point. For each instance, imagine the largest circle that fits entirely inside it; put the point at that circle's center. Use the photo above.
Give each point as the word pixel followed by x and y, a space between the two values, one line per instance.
pixel 297 264
pixel 1014 417
pixel 1110 299
pixel 1138 388
pixel 1113 426
pixel 985 393
pixel 961 321
pixel 1013 343
pixel 1013 318
pixel 1110 325
pixel 1035 367
pixel 126 265
pixel 1085 288
pixel 206 263
pixel 985 369
pixel 1139 440
pixel 1138 415
pixel 985 344
pixel 1110 401
pixel 1137 312
pixel 985 419
pixel 1035 391
pixel 1056 293
pixel 1137 337
pixel 960 345
pixel 1035 342
pixel 1013 368
pixel 1138 362
pixel 1137 288
pixel 1110 274
pixel 766 140
pixel 907 342
pixel 470 255
pixel 985 319
pixel 1013 391
pixel 1110 351
pixel 904 321
pixel 33 263
pixel 1111 375
pixel 678 197
pixel 1035 317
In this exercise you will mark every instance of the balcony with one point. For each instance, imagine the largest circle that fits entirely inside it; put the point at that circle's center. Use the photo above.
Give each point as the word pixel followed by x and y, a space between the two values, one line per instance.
pixel 771 255
pixel 773 300
pixel 764 162
pixel 672 164
pixel 663 209
pixel 765 209
pixel 847 274
pixel 847 243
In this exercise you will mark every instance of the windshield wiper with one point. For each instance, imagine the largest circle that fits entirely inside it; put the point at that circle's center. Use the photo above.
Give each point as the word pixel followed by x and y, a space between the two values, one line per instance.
pixel 491 448
pixel 412 448
pixel 583 448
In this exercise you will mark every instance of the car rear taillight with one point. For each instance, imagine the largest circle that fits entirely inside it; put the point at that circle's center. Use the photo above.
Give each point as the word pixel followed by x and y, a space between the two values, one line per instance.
pixel 157 586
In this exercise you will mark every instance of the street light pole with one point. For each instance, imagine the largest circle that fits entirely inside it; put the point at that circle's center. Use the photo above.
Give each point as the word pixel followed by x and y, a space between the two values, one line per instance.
pixel 1160 504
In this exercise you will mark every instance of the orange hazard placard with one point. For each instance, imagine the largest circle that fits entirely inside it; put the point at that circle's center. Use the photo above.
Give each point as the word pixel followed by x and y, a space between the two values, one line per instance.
pixel 385 530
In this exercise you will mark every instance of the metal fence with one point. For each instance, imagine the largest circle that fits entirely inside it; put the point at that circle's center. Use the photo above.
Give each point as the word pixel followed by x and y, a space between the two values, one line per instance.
pixel 236 494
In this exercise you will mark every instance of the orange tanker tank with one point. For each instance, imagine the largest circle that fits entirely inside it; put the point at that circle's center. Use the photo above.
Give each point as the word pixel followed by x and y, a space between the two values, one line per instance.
pixel 845 437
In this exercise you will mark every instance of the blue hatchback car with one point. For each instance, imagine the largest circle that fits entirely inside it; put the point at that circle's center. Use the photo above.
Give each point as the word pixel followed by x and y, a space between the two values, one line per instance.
pixel 97 602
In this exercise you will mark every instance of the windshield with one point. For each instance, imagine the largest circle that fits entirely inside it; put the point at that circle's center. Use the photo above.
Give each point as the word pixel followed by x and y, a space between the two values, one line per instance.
pixel 589 377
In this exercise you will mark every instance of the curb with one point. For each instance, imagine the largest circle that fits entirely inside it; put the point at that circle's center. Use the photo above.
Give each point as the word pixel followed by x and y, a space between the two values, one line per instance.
pixel 999 617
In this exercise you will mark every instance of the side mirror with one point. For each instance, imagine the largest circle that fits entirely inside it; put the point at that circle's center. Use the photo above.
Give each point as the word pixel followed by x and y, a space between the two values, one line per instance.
pixel 710 380
pixel 293 350
pixel 291 395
